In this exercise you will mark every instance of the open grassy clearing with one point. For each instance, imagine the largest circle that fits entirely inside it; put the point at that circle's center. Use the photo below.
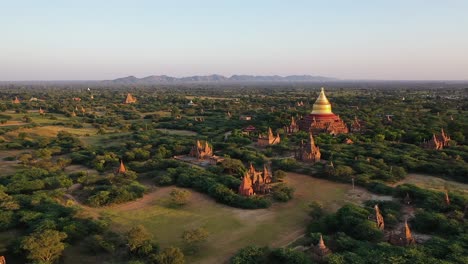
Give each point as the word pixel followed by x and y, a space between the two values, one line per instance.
pixel 160 113
pixel 8 167
pixel 231 228
pixel 50 131
pixel 38 118
pixel 111 139
pixel 434 183
pixel 178 132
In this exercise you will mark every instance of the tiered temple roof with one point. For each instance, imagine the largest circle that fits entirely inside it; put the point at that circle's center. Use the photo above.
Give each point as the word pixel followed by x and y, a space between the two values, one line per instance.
pixel 356 125
pixel 293 127
pixel 322 119
pixel 270 139
pixel 245 188
pixel 130 99
pixel 308 152
pixel 258 181
pixel 320 251
pixel 201 150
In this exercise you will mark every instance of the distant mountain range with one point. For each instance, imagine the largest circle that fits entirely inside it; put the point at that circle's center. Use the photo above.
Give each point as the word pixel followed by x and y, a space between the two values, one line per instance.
pixel 164 79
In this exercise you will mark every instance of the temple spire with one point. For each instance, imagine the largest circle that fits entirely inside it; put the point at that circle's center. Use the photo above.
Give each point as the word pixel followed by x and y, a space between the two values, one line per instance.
pixel 447 198
pixel 121 167
pixel 408 236
pixel 321 244
pixel 379 218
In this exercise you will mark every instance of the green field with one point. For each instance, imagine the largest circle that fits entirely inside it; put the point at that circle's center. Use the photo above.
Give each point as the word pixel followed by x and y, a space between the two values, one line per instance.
pixel 231 228
pixel 435 183
pixel 177 132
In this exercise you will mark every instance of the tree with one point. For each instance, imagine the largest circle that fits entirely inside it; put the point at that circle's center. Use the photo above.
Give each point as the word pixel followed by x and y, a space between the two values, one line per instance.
pixel 232 166
pixel 138 240
pixel 171 255
pixel 45 246
pixel 180 197
pixel 278 175
pixel 193 238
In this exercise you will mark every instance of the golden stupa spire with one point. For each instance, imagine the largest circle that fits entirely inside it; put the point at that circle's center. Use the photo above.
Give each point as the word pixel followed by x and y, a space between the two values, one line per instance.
pixel 322 105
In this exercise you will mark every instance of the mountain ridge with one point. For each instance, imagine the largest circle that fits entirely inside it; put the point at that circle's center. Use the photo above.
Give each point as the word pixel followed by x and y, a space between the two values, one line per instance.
pixel 156 79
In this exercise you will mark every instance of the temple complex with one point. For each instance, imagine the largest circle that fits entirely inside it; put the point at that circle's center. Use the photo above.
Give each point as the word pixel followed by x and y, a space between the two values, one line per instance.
pixel 292 128
pixel 201 154
pixel 308 152
pixel 201 150
pixel 41 111
pixel 130 99
pixel 270 139
pixel 322 119
pixel 16 100
pixel 121 168
pixel 437 142
pixel 255 182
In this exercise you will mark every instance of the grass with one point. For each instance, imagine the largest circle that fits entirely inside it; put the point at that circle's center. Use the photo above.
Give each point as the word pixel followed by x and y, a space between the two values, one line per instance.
pixel 50 131
pixel 110 139
pixel 177 132
pixel 9 167
pixel 435 183
pixel 231 228
pixel 160 113
pixel 38 118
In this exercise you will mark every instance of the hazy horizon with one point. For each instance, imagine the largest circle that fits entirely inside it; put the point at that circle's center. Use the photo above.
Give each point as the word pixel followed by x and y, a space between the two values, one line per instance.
pixel 348 40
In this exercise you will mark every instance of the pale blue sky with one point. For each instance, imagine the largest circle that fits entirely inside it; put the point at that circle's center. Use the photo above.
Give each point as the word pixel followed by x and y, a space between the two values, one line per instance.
pixel 348 39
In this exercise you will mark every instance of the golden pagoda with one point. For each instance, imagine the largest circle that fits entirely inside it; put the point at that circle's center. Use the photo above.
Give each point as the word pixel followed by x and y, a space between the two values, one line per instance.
pixel 322 119
pixel 322 105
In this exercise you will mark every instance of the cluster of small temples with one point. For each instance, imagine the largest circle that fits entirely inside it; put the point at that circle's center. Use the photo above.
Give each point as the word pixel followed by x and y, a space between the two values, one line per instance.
pixel 402 237
pixel 438 141
pixel 255 182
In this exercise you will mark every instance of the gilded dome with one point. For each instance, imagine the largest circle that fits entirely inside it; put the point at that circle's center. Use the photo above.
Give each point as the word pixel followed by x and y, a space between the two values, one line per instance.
pixel 322 105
